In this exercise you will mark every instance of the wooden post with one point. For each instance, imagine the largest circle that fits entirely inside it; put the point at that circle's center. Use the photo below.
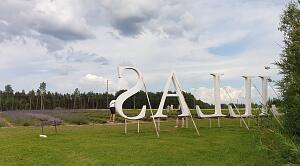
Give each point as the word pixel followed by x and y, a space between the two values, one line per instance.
pixel 240 122
pixel 249 121
pixel 158 124
pixel 107 104
pixel 261 121
pixel 186 122
pixel 138 122
pixel 209 123
pixel 42 124
pixel 55 126
pixel 125 126
pixel 151 109
pixel 194 123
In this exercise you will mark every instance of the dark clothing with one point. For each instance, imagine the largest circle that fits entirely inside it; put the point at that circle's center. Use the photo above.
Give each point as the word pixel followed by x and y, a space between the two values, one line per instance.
pixel 179 111
pixel 112 110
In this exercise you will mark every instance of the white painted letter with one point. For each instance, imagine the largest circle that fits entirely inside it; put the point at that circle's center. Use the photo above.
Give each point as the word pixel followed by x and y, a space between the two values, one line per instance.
pixel 248 111
pixel 182 102
pixel 124 96
pixel 264 95
pixel 218 111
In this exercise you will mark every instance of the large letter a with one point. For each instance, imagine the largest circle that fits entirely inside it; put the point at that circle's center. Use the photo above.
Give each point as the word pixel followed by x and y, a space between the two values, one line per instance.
pixel 179 95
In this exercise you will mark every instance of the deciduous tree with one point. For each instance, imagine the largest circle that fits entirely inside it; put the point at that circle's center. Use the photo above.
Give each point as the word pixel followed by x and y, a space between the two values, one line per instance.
pixel 289 65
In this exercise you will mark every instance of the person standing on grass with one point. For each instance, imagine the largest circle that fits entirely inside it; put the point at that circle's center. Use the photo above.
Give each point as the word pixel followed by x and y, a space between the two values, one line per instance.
pixel 112 109
pixel 179 111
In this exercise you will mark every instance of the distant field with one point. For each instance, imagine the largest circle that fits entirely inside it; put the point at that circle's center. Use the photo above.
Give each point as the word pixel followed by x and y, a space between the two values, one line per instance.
pixel 107 145
pixel 78 117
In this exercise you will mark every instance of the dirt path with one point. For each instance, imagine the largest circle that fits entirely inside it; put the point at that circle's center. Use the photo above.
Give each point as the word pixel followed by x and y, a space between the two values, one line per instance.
pixel 5 121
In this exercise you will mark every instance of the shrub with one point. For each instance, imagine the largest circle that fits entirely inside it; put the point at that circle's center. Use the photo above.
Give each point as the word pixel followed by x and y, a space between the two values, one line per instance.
pixel 26 124
pixel 74 118
pixel 19 118
pixel 281 147
pixel 45 119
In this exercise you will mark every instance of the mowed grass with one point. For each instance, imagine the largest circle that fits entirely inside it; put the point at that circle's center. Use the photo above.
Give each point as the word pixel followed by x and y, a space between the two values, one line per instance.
pixel 108 145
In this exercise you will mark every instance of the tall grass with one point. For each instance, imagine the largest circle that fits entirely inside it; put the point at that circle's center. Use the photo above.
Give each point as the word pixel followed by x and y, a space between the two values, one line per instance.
pixel 275 141
pixel 280 146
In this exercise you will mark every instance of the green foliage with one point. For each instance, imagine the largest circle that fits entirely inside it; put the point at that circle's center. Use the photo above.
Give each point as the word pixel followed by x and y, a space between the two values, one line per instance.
pixel 289 65
pixel 8 89
pixel 42 87
pixel 282 147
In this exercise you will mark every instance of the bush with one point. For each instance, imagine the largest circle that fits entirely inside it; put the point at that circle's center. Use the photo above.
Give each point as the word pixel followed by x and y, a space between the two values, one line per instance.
pixel 26 124
pixel 45 119
pixel 282 148
pixel 19 118
pixel 73 118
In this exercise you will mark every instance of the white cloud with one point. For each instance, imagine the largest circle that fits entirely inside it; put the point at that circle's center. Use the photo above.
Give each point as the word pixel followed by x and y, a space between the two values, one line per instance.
pixel 91 80
pixel 233 95
pixel 96 82
pixel 129 16
pixel 61 42
pixel 206 94
pixel 51 22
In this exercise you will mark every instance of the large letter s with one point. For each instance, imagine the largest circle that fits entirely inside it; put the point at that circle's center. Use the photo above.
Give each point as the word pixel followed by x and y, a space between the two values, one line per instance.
pixel 124 96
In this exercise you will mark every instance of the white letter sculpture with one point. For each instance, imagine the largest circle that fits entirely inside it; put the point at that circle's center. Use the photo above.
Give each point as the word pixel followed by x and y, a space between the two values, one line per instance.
pixel 217 97
pixel 121 99
pixel 248 111
pixel 124 96
pixel 248 85
pixel 264 95
pixel 184 107
pixel 218 111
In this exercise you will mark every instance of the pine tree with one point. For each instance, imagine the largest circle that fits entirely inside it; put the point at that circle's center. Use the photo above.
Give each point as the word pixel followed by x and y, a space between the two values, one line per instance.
pixel 42 89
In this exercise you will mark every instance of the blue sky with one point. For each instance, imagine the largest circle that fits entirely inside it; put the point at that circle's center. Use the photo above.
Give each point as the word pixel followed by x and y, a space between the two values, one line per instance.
pixel 232 48
pixel 77 43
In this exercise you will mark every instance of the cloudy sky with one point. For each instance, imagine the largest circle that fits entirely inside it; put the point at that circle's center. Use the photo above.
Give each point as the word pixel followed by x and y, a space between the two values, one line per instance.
pixel 80 43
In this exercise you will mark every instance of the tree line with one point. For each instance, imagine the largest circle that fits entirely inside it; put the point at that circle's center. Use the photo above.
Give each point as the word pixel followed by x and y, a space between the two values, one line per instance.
pixel 41 99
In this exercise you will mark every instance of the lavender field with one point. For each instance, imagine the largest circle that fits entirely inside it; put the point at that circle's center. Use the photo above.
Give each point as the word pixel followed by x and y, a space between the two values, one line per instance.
pixel 65 117
pixel 48 117
pixel 71 117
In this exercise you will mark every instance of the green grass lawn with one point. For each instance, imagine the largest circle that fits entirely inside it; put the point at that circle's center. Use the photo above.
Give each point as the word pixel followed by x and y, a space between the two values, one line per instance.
pixel 108 145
